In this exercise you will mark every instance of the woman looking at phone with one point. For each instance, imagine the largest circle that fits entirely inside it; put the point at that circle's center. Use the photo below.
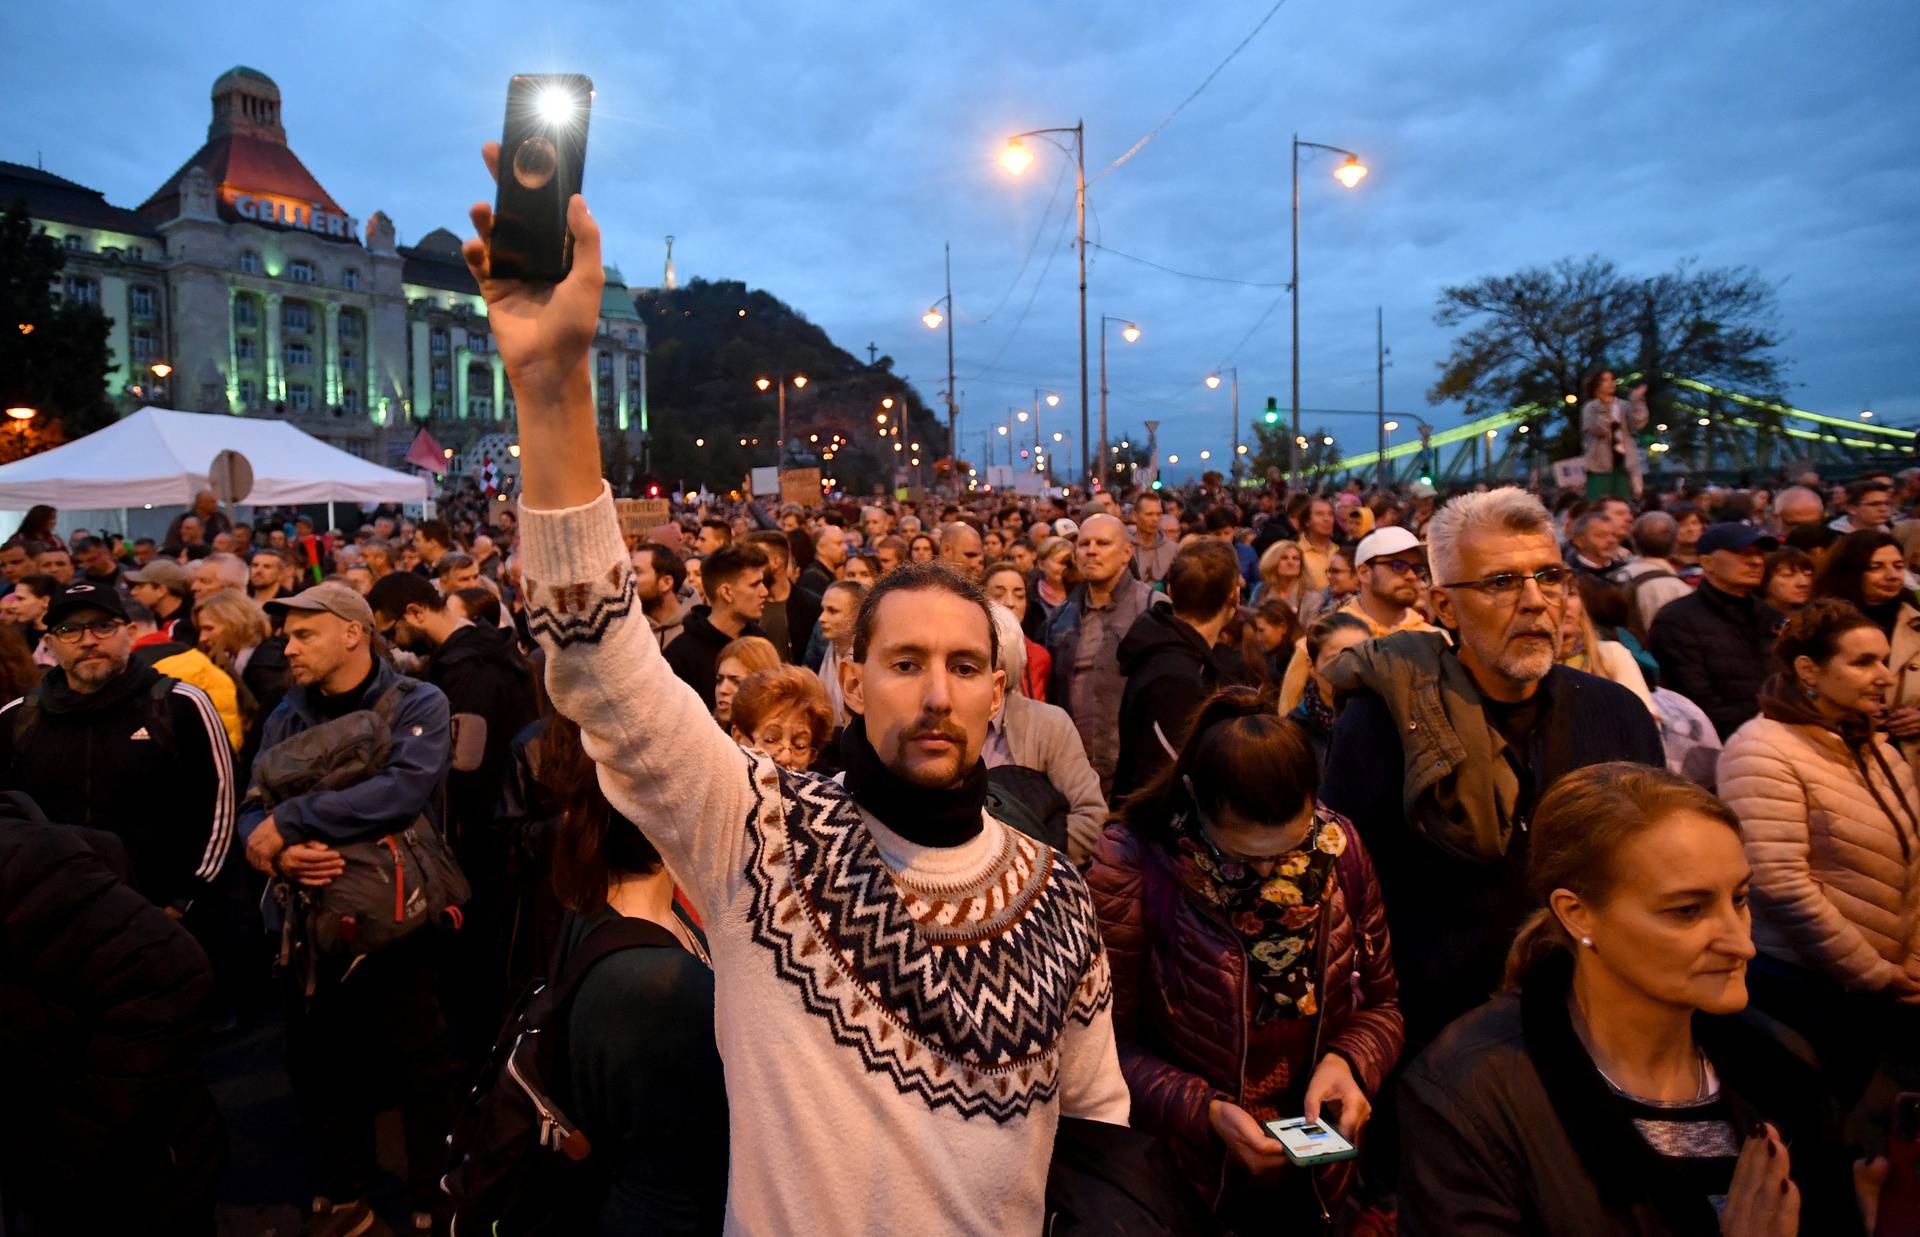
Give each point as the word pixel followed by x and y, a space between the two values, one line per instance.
pixel 1251 973
pixel 1610 1090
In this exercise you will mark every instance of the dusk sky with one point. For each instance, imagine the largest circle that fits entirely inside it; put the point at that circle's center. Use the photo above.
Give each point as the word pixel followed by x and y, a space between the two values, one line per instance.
pixel 824 153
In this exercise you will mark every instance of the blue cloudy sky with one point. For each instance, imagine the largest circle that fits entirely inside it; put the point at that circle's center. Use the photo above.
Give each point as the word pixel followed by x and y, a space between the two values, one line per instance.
pixel 825 152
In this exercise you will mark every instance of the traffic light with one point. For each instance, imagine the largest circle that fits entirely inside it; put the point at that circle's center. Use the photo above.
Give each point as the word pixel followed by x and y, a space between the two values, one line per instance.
pixel 649 486
pixel 1273 410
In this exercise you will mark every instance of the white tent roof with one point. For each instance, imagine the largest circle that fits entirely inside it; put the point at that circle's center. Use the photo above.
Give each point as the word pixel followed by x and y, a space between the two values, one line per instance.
pixel 162 457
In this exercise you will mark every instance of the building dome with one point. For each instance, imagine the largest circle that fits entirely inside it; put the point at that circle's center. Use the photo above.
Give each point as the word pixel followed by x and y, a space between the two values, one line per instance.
pixel 252 79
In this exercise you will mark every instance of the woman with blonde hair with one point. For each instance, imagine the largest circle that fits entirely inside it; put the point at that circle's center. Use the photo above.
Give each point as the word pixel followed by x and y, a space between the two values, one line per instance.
pixel 1611 1088
pixel 785 714
pixel 1582 648
pixel 744 656
pixel 1283 575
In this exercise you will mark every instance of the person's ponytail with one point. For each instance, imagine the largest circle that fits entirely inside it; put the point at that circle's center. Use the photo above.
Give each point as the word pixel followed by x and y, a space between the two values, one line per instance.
pixel 1579 828
pixel 1540 938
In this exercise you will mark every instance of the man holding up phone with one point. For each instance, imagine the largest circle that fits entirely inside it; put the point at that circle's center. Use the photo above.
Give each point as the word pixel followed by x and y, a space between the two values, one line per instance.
pixel 909 994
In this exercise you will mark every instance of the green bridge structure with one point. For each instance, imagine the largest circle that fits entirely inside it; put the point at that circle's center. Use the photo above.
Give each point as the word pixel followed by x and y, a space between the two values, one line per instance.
pixel 1710 432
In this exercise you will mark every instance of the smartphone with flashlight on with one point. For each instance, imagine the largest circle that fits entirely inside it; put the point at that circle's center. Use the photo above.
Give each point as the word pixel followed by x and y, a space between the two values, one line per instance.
pixel 543 154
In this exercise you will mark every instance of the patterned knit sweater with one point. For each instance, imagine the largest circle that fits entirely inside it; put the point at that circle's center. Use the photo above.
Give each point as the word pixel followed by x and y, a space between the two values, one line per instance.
pixel 902 1026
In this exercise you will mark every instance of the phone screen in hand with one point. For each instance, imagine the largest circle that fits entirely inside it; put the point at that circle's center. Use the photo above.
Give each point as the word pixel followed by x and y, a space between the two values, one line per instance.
pixel 543 153
pixel 1310 1142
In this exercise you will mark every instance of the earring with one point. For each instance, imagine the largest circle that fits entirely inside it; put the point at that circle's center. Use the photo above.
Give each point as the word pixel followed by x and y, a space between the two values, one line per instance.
pixel 1812 694
pixel 1587 942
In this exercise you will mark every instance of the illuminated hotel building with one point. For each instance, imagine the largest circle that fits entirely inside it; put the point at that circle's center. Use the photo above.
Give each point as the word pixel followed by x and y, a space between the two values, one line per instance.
pixel 268 298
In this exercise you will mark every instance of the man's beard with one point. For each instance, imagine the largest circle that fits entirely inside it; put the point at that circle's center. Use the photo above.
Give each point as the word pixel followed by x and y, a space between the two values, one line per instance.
pixel 93 672
pixel 1519 663
pixel 931 774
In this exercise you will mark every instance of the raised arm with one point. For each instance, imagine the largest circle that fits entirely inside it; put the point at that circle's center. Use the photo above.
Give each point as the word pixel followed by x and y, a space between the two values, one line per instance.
pixel 663 761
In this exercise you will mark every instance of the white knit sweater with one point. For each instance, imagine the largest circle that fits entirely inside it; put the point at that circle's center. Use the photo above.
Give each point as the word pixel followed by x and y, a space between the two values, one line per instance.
pixel 902 1026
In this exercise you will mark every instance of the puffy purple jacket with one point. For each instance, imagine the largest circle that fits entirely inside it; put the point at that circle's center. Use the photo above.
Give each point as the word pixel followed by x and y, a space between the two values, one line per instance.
pixel 1180 996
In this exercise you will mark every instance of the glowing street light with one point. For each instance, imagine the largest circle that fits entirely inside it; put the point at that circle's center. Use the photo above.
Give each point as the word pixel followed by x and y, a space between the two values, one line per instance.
pixel 1349 173
pixel 1391 426
pixel 1016 158
pixel 887 402
pixel 1206 455
pixel 1213 382
pixel 1866 414
pixel 763 383
pixel 1130 333
pixel 160 369
pixel 23 414
pixel 513 449
pixel 799 380
pixel 1173 459
pixel 933 318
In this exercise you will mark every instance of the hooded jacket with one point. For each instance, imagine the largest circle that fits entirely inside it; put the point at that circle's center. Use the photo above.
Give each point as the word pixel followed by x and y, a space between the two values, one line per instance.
pixel 102 1023
pixel 1169 672
pixel 93 759
pixel 1435 791
pixel 668 630
pixel 695 655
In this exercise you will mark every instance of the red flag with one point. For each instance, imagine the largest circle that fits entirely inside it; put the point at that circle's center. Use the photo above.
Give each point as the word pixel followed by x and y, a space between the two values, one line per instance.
pixel 426 453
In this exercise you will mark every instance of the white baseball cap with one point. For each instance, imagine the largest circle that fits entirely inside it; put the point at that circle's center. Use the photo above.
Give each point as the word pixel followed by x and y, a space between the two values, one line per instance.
pixel 1064 527
pixel 1381 542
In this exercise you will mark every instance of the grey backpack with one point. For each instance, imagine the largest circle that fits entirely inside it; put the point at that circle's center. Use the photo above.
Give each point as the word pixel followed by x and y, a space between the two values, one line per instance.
pixel 394 885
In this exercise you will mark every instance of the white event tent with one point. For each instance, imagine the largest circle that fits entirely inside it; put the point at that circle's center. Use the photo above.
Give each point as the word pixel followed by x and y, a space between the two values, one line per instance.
pixel 162 458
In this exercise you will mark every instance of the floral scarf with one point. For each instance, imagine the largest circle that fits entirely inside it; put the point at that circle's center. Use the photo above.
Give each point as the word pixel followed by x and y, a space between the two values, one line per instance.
pixel 1313 711
pixel 1277 916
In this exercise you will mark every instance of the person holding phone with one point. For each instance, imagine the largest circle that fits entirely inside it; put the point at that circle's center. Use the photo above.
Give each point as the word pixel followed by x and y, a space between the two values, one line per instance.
pixel 1607 426
pixel 909 995
pixel 1610 1089
pixel 1251 970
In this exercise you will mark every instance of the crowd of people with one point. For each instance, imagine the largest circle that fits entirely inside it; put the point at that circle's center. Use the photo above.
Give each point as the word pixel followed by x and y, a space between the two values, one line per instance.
pixel 1563 856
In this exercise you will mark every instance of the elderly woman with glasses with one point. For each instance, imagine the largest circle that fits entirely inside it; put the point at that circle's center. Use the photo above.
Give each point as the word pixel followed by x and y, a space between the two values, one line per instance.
pixel 785 713
pixel 1252 979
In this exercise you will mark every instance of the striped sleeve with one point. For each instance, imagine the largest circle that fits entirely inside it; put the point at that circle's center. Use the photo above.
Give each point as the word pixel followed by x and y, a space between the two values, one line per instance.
pixel 220 835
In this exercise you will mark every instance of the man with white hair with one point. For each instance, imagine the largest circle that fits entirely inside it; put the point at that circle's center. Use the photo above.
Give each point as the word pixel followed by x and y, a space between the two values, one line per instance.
pixel 216 572
pixel 1032 734
pixel 1796 506
pixel 1442 751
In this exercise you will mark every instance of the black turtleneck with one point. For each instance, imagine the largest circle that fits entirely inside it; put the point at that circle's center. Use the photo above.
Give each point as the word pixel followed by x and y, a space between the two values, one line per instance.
pixel 328 705
pixel 947 816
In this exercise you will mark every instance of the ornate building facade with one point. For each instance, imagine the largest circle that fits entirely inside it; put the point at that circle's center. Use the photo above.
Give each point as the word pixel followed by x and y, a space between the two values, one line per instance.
pixel 267 298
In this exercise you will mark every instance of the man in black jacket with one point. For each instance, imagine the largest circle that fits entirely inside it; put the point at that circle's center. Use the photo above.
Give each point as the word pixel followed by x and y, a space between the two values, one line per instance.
pixel 790 611
pixel 1716 647
pixel 1441 752
pixel 103 1018
pixel 735 580
pixel 1168 658
pixel 490 692
pixel 110 744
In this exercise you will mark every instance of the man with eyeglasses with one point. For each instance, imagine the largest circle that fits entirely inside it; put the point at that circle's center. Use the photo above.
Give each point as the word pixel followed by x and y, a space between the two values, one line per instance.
pixel 1442 750
pixel 107 742
pixel 1392 565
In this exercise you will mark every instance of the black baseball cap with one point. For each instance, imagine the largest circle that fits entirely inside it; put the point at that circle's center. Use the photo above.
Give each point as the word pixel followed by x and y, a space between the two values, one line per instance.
pixel 1733 535
pixel 85 595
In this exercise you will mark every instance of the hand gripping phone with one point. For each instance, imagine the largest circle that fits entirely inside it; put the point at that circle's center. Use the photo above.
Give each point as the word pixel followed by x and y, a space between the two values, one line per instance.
pixel 1310 1142
pixel 543 154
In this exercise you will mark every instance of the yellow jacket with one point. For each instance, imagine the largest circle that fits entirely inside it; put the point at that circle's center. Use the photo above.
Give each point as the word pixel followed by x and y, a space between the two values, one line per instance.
pixel 190 665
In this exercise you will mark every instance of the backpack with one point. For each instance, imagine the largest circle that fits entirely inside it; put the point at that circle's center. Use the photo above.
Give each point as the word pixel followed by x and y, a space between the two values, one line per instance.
pixel 1024 799
pixel 393 885
pixel 519 1166
pixel 1115 1181
pixel 1633 599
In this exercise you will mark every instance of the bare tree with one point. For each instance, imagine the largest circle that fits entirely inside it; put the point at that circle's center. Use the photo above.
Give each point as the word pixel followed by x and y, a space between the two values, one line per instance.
pixel 1536 336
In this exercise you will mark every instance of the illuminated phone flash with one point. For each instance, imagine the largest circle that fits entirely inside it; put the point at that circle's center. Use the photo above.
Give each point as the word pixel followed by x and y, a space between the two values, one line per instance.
pixel 556 106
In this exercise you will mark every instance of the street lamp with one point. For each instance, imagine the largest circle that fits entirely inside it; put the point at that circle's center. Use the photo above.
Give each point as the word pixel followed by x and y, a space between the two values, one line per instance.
pixel 780 426
pixel 1349 174
pixel 1213 383
pixel 1130 333
pixel 23 414
pixel 1016 158
pixel 159 370
pixel 933 318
